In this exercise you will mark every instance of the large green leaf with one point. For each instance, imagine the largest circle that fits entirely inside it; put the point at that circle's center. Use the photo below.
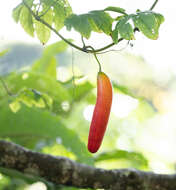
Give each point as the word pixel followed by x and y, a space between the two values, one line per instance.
pixel 30 97
pixel 124 28
pixel 16 12
pixel 26 21
pixel 97 21
pixel 102 20
pixel 40 82
pixel 148 23
pixel 42 31
pixel 31 124
pixel 82 90
pixel 78 91
pixel 80 23
pixel 125 90
pixel 47 66
pixel 29 2
pixel 159 19
pixel 55 48
pixel 62 10
pixel 47 63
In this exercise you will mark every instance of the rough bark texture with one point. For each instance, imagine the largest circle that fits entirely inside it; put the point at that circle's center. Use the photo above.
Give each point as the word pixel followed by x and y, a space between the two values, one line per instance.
pixel 61 170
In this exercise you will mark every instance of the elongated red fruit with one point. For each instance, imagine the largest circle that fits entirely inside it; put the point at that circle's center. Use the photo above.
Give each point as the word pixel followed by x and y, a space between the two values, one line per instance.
pixel 101 112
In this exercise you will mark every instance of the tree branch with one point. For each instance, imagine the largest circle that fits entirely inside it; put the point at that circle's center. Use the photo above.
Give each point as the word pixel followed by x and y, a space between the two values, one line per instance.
pixel 63 171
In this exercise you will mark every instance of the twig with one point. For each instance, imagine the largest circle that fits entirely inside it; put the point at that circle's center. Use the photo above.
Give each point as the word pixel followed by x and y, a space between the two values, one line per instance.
pixel 104 48
pixel 114 50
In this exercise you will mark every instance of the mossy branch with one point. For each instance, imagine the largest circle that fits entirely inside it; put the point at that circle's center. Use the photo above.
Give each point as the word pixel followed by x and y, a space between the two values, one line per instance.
pixel 63 171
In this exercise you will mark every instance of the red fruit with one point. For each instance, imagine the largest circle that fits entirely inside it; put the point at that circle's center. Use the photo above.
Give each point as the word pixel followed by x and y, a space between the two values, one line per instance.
pixel 101 112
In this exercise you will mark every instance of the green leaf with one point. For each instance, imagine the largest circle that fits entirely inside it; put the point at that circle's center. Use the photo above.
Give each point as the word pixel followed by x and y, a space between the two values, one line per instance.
pixel 124 90
pixel 79 91
pixel 26 21
pixel 47 63
pixel 115 9
pixel 102 20
pixel 119 17
pixel 136 158
pixel 30 125
pixel 29 2
pixel 144 111
pixel 42 31
pixel 40 82
pixel 16 12
pixel 97 21
pixel 62 10
pixel 55 48
pixel 58 17
pixel 124 28
pixel 115 36
pixel 30 97
pixel 159 19
pixel 80 23
pixel 148 23
pixel 15 106
pixel 47 3
pixel 82 90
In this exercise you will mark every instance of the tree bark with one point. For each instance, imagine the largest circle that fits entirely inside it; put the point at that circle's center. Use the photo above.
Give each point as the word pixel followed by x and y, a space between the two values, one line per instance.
pixel 63 171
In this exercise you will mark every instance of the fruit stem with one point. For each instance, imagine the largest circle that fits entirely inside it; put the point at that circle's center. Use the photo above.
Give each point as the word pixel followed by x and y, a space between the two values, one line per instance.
pixel 97 61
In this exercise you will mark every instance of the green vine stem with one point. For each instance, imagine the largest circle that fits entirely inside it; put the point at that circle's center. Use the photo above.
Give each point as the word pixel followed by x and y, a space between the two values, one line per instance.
pixel 83 49
pixel 99 64
pixel 154 4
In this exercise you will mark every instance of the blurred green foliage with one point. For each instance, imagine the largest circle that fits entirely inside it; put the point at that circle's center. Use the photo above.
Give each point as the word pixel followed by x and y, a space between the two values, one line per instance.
pixel 47 115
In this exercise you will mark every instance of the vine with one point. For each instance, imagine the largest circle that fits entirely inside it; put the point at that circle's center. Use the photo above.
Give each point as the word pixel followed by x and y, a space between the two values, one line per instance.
pixel 123 27
pixel 154 4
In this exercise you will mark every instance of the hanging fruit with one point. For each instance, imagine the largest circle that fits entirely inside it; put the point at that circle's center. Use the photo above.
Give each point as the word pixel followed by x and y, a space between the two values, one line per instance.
pixel 101 112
